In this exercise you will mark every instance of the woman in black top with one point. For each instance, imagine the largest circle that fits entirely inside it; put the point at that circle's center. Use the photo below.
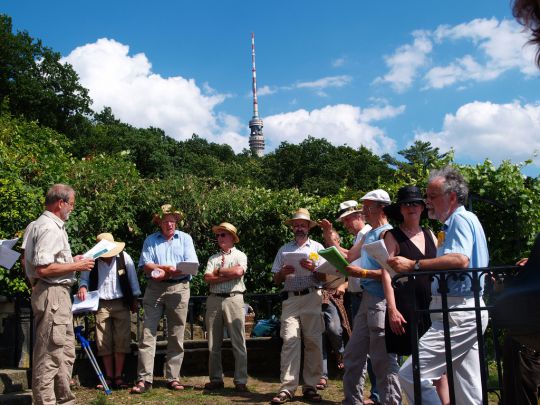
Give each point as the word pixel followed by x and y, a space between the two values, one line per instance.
pixel 412 241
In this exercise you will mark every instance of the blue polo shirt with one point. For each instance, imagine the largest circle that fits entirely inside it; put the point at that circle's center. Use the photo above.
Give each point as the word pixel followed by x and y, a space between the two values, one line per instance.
pixel 463 234
pixel 374 287
pixel 157 249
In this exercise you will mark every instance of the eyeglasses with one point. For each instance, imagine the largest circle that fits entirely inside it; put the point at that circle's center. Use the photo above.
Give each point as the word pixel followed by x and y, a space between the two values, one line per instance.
pixel 411 204
pixel 221 235
pixel 71 204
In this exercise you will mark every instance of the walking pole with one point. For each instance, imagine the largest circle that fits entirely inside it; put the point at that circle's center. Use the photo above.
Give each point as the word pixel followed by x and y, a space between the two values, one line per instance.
pixel 86 346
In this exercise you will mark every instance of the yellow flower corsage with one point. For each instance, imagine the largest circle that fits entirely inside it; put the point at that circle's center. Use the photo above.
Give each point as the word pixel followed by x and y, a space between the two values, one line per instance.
pixel 314 256
pixel 440 238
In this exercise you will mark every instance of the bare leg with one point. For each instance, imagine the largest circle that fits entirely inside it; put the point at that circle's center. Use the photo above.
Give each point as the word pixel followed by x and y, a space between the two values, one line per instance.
pixel 441 385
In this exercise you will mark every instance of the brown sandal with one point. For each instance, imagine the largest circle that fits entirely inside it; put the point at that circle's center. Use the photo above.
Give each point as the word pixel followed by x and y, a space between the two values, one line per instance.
pixel 175 386
pixel 281 398
pixel 141 387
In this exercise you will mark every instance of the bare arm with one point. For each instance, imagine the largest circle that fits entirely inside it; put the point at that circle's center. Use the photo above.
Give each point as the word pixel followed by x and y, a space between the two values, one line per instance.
pixel 447 261
pixel 224 274
pixel 60 269
pixel 359 272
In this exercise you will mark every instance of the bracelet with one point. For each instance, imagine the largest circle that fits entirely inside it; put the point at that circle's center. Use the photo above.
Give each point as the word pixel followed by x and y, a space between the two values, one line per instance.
pixel 363 273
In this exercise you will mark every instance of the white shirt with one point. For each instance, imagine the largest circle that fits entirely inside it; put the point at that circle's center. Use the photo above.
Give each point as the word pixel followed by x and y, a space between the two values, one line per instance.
pixel 108 282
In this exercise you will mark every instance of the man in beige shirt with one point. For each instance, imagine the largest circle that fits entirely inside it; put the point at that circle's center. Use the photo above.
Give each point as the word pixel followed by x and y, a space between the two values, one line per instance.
pixel 51 271
pixel 225 307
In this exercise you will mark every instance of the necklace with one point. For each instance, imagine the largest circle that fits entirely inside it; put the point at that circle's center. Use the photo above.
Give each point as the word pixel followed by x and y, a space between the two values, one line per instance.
pixel 410 233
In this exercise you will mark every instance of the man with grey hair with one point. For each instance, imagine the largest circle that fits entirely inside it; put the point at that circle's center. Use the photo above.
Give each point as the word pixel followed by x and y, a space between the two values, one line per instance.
pixel 462 244
pixel 50 268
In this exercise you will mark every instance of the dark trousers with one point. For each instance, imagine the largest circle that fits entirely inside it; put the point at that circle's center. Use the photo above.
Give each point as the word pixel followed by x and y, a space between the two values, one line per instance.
pixel 521 373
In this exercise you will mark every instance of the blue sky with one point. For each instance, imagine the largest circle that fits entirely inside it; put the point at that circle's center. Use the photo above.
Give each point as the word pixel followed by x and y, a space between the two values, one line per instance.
pixel 380 74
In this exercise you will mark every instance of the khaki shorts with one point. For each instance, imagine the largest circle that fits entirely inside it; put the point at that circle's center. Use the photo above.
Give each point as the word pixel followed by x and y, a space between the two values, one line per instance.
pixel 113 327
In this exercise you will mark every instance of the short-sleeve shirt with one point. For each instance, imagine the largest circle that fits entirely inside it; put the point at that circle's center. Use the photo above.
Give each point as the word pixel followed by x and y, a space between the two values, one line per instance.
pixel 374 287
pixel 47 243
pixel 158 250
pixel 224 260
pixel 355 284
pixel 463 234
pixel 293 282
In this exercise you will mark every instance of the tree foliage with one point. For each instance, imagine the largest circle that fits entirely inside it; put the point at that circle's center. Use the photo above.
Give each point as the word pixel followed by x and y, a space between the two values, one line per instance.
pixel 37 85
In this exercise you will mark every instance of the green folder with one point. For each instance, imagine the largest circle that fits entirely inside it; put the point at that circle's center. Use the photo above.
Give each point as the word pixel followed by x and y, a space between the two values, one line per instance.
pixel 335 258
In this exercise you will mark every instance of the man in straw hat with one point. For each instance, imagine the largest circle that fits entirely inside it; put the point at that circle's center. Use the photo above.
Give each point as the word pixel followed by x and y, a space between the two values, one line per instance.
pixel 167 291
pixel 115 279
pixel 225 306
pixel 301 316
pixel 368 330
pixel 51 269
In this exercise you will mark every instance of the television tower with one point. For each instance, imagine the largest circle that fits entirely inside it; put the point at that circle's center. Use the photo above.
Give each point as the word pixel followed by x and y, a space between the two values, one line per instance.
pixel 256 138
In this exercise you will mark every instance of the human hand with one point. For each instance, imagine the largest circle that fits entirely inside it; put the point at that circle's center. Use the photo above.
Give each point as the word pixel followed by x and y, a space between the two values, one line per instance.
pixel 159 274
pixel 84 264
pixel 81 294
pixel 307 264
pixel 326 225
pixel 287 270
pixel 397 321
pixel 401 264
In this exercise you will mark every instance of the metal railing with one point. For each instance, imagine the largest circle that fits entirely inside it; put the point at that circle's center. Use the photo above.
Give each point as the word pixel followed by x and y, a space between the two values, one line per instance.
pixel 474 275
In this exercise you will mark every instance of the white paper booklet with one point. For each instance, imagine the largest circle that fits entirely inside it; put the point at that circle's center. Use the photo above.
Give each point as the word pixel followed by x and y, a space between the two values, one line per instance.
pixel 328 268
pixel 90 304
pixel 293 259
pixel 378 251
pixel 8 257
pixel 102 247
pixel 188 267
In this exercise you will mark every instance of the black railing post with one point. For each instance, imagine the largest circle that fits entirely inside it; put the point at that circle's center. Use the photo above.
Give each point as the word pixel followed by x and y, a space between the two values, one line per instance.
pixel 443 290
pixel 480 334
pixel 414 346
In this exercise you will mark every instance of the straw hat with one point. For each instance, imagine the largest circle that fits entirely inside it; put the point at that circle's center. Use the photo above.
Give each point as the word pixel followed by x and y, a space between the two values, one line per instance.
pixel 225 226
pixel 301 213
pixel 166 209
pixel 119 245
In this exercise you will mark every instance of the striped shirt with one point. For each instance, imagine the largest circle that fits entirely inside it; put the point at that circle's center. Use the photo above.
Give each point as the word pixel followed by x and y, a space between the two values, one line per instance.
pixel 224 260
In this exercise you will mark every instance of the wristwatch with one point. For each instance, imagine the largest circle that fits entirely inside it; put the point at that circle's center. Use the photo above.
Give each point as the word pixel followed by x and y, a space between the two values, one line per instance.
pixel 417 265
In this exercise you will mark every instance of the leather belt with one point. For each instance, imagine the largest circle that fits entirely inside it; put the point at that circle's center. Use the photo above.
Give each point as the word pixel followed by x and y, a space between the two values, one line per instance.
pixel 227 295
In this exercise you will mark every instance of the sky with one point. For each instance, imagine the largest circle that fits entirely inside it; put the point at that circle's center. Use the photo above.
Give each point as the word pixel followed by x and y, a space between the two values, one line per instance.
pixel 379 74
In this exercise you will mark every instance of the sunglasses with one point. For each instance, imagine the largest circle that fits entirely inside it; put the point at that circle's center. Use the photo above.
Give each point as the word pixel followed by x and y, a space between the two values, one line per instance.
pixel 411 204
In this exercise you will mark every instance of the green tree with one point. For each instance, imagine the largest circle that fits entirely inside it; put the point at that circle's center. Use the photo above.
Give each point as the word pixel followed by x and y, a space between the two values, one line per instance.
pixel 37 85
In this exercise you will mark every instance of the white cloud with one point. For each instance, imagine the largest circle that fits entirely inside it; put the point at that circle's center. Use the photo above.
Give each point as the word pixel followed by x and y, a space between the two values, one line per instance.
pixel 142 98
pixel 339 124
pixel 498 46
pixel 326 82
pixel 482 130
pixel 265 91
pixel 338 62
pixel 406 61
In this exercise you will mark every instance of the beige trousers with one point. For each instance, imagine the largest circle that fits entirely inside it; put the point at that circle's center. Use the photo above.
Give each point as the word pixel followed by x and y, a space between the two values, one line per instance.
pixel 301 318
pixel 54 348
pixel 228 312
pixel 171 299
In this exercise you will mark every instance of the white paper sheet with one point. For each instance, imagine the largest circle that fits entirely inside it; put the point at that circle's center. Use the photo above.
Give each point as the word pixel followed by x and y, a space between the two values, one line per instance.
pixel 293 259
pixel 327 268
pixel 8 257
pixel 188 268
pixel 8 243
pixel 378 251
pixel 90 304
pixel 102 247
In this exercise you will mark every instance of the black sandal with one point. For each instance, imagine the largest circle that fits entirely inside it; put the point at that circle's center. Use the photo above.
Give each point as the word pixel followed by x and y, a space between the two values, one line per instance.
pixel 119 383
pixel 311 395
pixel 175 386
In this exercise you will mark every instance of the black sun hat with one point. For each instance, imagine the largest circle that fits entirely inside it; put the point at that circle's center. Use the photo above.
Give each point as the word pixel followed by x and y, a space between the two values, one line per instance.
pixel 405 194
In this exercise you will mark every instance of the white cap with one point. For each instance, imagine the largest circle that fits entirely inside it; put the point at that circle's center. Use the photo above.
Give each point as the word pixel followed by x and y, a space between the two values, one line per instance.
pixel 378 196
pixel 347 208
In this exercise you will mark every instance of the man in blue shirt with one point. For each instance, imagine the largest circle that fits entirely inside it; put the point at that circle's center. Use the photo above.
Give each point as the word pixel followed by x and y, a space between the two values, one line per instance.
pixel 168 291
pixel 462 244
